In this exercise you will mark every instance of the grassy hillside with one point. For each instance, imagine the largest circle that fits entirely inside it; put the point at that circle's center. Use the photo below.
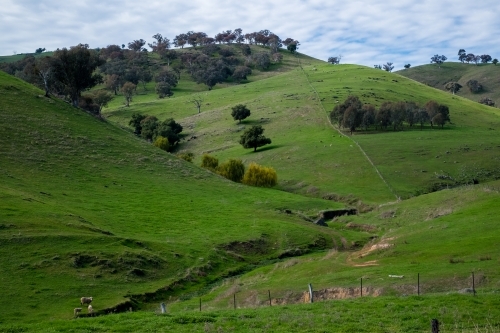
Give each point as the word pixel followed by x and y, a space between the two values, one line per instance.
pixel 433 76
pixel 311 157
pixel 87 209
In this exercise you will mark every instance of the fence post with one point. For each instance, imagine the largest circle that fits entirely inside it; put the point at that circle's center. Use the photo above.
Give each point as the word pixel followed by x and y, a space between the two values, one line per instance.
pixel 311 293
pixel 473 285
pixel 200 304
pixel 361 287
pixel 418 284
pixel 435 326
pixel 269 291
pixel 234 301
pixel 163 308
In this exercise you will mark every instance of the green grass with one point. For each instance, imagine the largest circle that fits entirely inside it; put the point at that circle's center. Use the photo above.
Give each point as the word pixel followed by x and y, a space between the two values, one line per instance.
pixel 88 209
pixel 76 187
pixel 456 313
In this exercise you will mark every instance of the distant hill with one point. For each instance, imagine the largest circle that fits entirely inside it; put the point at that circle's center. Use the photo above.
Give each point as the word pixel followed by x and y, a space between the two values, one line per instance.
pixel 488 75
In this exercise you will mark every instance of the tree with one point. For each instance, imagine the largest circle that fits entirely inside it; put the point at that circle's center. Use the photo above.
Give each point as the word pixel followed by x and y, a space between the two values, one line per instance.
pixel 128 90
pixel 137 45
pixel 352 118
pixel 43 70
pixel 232 170
pixel 262 60
pixel 337 114
pixel 377 66
pixel 241 72
pixel 209 162
pixel 253 138
pixel 368 116
pixel 162 143
pixel 112 82
pixel 102 98
pixel 160 45
pixel 438 59
pixel 74 68
pixel 470 57
pixel 485 58
pixel 432 109
pixel 474 86
pixel 135 122
pixel 163 90
pixel 487 101
pixel 411 108
pixel 257 175
pixel 421 116
pixel 145 77
pixel 40 50
pixel 383 116
pixel 240 112
pixel 398 115
pixel 495 61
pixel 148 127
pixel 197 100
pixel 180 40
pixel 168 129
pixel 407 66
pixel 462 55
pixel 388 67
pixel 453 87
pixel 334 60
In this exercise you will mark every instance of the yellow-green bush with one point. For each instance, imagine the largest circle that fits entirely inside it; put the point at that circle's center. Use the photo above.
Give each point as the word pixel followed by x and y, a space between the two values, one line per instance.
pixel 162 143
pixel 209 162
pixel 257 175
pixel 186 156
pixel 232 170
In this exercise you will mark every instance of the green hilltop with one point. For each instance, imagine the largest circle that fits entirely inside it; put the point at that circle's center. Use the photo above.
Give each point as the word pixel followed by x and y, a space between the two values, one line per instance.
pixel 89 209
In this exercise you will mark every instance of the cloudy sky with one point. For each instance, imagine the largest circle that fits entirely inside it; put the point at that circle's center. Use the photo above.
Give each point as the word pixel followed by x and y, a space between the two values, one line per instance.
pixel 364 32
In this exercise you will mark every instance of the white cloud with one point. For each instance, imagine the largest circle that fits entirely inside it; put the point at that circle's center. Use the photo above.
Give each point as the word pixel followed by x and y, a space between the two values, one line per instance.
pixel 364 32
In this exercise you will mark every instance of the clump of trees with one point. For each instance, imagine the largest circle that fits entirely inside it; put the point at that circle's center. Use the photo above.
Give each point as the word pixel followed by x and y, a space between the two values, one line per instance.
pixel 476 59
pixel 335 60
pixel 438 59
pixel 150 128
pixel 253 138
pixel 234 170
pixel 352 114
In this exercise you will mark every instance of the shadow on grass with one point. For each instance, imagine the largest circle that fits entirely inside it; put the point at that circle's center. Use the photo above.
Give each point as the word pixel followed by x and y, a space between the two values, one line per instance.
pixel 264 149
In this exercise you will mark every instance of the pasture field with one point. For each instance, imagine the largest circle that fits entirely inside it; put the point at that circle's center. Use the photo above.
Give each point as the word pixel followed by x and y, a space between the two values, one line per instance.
pixel 89 209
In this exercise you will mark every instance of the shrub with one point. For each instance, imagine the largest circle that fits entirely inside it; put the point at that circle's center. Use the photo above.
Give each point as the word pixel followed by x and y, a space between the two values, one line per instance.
pixel 257 175
pixel 209 162
pixel 186 156
pixel 487 101
pixel 232 170
pixel 162 143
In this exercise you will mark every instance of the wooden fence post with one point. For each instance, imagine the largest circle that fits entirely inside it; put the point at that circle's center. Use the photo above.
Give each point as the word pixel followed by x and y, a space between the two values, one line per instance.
pixel 361 287
pixel 473 285
pixel 234 300
pixel 311 293
pixel 200 304
pixel 418 284
pixel 435 326
pixel 269 291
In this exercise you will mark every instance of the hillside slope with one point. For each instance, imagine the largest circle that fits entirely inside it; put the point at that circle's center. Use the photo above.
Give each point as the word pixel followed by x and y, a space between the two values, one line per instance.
pixel 87 209
pixel 486 74
pixel 313 158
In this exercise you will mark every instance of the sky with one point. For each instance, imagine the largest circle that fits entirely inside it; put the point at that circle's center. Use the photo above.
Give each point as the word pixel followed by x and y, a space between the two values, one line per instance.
pixel 365 32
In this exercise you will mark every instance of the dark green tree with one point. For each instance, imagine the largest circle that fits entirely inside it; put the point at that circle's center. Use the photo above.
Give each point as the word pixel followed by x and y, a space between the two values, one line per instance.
pixel 453 87
pixel 148 127
pixel 495 61
pixel 241 72
pixel 253 138
pixel 75 69
pixel 240 112
pixel 135 122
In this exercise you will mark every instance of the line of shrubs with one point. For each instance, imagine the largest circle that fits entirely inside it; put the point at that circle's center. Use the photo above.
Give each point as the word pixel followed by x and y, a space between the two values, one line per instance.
pixel 234 170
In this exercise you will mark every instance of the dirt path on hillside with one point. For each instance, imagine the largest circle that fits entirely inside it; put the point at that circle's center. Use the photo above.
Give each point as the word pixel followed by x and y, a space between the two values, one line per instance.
pixel 366 250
